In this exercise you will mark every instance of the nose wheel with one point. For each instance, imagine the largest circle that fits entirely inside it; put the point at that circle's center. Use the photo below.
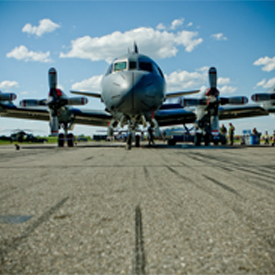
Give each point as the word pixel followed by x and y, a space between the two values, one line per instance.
pixel 128 145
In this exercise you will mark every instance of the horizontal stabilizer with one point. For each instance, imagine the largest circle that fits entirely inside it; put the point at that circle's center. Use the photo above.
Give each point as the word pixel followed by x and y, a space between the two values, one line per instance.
pixel 92 94
pixel 181 93
pixel 263 97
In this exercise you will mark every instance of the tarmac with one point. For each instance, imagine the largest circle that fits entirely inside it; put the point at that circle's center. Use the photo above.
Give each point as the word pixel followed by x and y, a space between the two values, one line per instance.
pixel 100 209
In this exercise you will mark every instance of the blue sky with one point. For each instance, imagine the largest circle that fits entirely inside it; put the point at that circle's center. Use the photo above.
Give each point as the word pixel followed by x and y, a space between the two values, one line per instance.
pixel 185 38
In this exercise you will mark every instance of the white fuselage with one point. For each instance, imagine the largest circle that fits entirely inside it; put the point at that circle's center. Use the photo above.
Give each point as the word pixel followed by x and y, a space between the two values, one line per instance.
pixel 133 86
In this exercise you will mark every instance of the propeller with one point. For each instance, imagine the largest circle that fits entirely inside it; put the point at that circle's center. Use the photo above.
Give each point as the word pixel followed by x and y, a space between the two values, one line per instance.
pixel 7 96
pixel 208 106
pixel 56 100
pixel 263 97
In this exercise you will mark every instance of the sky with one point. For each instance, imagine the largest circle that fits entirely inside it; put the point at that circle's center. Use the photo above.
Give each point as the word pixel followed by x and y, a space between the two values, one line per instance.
pixel 185 38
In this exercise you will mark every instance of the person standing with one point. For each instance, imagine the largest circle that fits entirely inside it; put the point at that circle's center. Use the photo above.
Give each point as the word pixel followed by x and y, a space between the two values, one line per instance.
pixel 223 130
pixel 231 133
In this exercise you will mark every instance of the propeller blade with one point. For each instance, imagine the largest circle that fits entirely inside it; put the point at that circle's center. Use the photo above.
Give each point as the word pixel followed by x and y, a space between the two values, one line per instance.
pixel 237 100
pixel 52 78
pixel 54 124
pixel 32 103
pixel 213 77
pixel 263 97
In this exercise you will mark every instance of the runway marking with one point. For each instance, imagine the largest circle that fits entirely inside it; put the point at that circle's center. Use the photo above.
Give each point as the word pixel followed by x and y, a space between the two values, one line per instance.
pixel 139 251
pixel 16 242
pixel 222 185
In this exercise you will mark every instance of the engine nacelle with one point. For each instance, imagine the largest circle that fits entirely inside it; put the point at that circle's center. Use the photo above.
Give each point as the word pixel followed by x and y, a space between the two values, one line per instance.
pixel 237 100
pixel 7 97
pixel 77 101
pixel 262 97
pixel 30 103
pixel 54 124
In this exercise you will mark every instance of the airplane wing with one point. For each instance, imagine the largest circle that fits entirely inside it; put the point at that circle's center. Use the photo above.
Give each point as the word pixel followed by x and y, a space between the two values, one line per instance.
pixel 85 116
pixel 181 93
pixel 92 94
pixel 241 112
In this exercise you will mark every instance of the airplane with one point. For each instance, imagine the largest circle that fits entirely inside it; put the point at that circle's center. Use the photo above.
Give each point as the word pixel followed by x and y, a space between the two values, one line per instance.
pixel 134 92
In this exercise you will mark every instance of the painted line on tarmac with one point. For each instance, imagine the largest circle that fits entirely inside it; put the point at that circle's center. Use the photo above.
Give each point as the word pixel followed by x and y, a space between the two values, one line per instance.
pixel 140 260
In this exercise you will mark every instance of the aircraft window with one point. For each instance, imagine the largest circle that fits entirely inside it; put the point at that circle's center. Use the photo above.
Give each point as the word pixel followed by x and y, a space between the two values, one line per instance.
pixel 120 66
pixel 145 66
pixel 109 70
pixel 132 65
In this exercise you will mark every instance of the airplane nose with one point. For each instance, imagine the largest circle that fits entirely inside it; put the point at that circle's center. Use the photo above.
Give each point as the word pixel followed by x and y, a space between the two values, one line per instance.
pixel 124 88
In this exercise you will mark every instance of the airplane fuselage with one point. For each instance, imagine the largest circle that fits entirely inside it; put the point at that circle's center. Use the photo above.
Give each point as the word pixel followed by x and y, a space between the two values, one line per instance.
pixel 133 85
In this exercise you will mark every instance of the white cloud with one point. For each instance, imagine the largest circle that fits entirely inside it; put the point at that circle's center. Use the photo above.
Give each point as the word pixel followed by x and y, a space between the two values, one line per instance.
pixel 190 24
pixel 22 53
pixel 91 84
pixel 176 23
pixel 160 27
pixel 155 43
pixel 6 84
pixel 219 36
pixel 45 25
pixel 223 81
pixel 267 63
pixel 267 84
pixel 183 80
pixel 227 90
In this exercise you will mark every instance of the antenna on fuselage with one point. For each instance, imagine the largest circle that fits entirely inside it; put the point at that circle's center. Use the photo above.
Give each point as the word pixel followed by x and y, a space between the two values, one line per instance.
pixel 135 48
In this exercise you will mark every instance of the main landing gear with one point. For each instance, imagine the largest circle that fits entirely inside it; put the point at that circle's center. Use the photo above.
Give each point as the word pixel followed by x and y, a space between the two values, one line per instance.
pixel 129 141
pixel 62 140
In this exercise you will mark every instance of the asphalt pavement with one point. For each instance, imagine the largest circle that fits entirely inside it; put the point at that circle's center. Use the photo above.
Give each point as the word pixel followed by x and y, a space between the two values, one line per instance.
pixel 100 209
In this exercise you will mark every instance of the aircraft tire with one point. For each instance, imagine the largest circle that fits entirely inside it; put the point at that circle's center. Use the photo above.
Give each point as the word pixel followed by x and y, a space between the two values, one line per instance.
pixel 171 142
pixel 197 139
pixel 216 142
pixel 128 145
pixel 137 141
pixel 61 138
pixel 70 140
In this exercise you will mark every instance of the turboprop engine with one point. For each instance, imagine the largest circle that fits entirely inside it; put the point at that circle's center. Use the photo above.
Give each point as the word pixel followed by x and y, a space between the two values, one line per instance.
pixel 55 102
pixel 7 96
pixel 207 109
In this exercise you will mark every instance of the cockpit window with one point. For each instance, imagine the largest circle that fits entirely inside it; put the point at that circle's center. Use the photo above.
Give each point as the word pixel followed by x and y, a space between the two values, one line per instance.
pixel 132 65
pixel 120 66
pixel 145 66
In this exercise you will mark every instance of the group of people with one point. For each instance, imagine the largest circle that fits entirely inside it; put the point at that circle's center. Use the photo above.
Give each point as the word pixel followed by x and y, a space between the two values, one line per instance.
pixel 231 132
